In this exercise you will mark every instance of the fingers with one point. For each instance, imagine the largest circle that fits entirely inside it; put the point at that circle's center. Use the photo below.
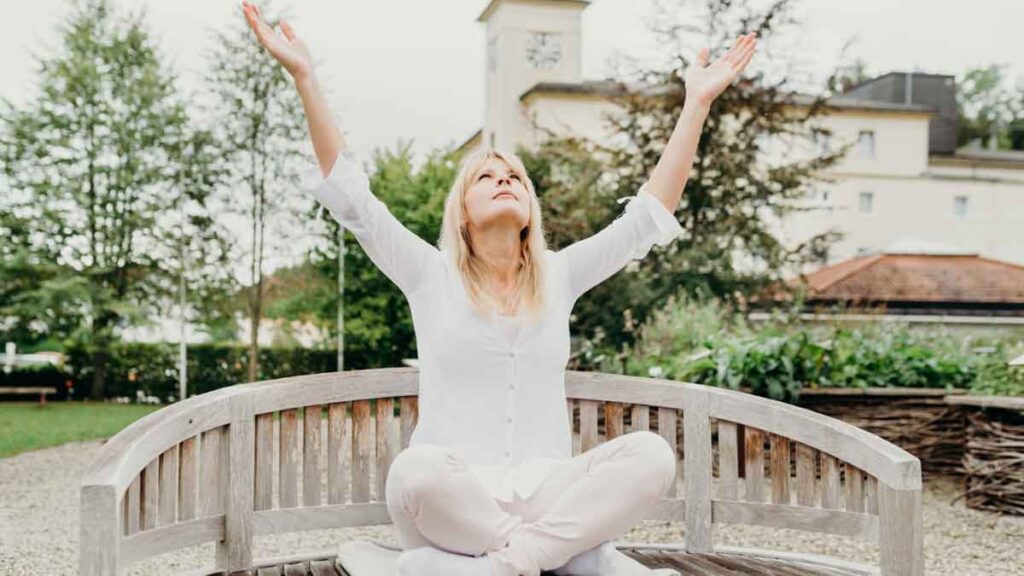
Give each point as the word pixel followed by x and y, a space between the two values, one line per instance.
pixel 728 56
pixel 289 32
pixel 702 57
pixel 253 20
pixel 743 51
pixel 745 59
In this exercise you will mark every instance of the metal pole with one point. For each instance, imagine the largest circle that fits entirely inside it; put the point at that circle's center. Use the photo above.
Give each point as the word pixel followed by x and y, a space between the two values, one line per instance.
pixel 183 320
pixel 341 297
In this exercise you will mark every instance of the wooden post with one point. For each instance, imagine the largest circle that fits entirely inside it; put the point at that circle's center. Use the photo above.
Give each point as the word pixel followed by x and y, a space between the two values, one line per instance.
pixel 235 553
pixel 901 536
pixel 697 479
pixel 99 548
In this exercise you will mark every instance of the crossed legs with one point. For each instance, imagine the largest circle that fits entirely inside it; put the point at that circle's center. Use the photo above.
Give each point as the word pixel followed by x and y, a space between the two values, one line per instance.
pixel 596 496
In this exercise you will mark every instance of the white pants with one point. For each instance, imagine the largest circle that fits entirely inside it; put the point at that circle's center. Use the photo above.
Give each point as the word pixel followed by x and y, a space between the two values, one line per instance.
pixel 434 500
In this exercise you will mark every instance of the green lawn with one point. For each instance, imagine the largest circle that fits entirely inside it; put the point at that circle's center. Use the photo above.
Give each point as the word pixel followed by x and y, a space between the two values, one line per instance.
pixel 27 426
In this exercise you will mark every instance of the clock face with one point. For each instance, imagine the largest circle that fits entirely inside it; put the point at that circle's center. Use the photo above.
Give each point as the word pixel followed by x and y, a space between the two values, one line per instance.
pixel 544 49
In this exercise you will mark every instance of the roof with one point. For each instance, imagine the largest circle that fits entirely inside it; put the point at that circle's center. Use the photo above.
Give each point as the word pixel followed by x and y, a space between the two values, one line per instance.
pixel 493 5
pixel 587 87
pixel 969 156
pixel 613 88
pixel 476 137
pixel 917 279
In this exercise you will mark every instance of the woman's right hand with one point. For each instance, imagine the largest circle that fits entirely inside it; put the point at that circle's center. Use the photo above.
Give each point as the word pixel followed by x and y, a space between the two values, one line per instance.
pixel 288 49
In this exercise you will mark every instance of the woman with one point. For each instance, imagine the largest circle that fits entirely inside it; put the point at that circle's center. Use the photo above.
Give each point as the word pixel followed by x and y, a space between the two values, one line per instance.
pixel 488 484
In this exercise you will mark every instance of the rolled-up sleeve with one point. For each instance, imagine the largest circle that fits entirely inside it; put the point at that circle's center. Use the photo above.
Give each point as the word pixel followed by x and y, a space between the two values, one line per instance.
pixel 400 254
pixel 644 223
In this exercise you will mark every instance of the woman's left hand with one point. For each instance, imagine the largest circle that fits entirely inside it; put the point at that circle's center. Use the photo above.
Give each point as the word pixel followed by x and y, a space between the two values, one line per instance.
pixel 704 83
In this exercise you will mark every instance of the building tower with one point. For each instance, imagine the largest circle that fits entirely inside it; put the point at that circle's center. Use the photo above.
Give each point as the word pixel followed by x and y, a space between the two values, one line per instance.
pixel 528 41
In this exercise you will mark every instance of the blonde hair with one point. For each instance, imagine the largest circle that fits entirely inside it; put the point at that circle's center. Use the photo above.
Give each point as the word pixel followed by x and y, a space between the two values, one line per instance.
pixel 455 239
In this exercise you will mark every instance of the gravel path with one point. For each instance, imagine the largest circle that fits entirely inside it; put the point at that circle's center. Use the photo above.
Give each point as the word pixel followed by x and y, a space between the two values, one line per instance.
pixel 39 528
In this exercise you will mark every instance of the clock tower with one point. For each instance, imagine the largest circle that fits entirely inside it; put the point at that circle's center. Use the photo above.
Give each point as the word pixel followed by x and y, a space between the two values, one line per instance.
pixel 527 42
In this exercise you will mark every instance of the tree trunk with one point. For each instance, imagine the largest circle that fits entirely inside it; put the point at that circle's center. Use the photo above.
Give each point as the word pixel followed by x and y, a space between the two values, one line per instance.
pixel 100 355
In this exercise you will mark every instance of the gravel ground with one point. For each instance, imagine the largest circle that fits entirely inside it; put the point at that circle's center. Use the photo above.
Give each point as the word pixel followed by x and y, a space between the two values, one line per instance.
pixel 39 528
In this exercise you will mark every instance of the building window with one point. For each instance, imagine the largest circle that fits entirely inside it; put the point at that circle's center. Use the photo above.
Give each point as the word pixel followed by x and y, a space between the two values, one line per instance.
pixel 866 144
pixel 960 206
pixel 866 203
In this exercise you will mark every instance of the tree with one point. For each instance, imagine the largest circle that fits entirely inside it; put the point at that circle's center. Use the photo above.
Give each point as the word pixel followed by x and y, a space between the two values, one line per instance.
pixel 736 193
pixel 378 323
pixel 988 108
pixel 261 129
pixel 91 165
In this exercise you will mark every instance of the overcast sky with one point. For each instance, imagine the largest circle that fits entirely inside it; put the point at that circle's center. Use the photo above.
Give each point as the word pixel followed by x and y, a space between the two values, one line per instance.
pixel 414 69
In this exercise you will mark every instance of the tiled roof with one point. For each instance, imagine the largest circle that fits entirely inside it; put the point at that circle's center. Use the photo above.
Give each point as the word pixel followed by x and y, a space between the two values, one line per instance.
pixel 916 278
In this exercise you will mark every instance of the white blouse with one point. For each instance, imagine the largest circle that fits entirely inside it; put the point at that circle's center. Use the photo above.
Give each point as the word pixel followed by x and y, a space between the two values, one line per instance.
pixel 491 387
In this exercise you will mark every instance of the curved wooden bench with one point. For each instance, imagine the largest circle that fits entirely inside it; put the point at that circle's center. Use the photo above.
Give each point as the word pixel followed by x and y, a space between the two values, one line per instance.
pixel 204 469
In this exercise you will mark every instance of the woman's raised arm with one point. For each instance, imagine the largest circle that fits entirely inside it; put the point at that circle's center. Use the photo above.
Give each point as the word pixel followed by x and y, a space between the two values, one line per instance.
pixel 649 218
pixel 293 54
pixel 340 183
pixel 703 84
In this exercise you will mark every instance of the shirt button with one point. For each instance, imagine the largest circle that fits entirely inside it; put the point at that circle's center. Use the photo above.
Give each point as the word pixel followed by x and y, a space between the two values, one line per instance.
pixel 511 354
pixel 507 453
pixel 509 420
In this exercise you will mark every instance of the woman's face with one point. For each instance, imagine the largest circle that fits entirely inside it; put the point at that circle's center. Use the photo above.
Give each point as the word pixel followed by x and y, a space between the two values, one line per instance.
pixel 497 196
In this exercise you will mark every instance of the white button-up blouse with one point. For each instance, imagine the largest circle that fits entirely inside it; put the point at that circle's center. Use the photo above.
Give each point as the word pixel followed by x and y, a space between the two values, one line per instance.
pixel 494 391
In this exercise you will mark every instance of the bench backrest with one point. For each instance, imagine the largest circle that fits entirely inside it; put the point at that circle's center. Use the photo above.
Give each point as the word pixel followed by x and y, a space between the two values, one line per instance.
pixel 312 452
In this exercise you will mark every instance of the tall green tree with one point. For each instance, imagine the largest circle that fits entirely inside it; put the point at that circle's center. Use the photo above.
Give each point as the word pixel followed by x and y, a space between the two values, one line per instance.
pixel 988 108
pixel 737 191
pixel 261 130
pixel 378 323
pixel 91 164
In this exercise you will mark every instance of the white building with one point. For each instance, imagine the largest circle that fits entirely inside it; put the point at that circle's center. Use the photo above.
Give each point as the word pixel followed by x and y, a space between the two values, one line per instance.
pixel 904 178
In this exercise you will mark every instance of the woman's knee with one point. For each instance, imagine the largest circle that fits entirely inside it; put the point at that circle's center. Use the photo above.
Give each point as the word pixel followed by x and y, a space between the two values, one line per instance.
pixel 659 459
pixel 419 468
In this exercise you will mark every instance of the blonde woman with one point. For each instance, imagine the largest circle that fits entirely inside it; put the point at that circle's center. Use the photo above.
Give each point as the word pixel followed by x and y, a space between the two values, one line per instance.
pixel 488 485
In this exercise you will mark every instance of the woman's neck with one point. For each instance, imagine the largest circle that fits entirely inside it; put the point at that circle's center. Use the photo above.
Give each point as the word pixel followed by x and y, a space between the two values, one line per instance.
pixel 500 251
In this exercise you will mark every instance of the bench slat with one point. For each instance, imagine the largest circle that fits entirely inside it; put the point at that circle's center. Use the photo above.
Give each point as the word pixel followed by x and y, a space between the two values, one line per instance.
pixel 667 430
pixel 753 448
pixel 311 469
pixel 132 502
pixel 588 425
pixel 213 470
pixel 854 489
pixel 168 486
pixel 640 417
pixel 188 476
pixel 361 440
pixel 871 495
pixel 409 409
pixel 613 420
pixel 337 481
pixel 263 494
pixel 288 467
pixel 780 469
pixel 728 467
pixel 829 481
pixel 382 431
pixel 150 487
pixel 805 475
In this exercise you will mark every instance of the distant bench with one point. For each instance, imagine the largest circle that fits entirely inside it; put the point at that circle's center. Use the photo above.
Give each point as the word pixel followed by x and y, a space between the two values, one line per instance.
pixel 42 391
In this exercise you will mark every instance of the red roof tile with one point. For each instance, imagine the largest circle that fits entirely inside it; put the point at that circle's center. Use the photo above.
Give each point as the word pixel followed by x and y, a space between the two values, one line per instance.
pixel 894 278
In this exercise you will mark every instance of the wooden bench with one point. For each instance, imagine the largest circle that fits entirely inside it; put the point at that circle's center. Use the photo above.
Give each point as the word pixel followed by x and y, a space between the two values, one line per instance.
pixel 212 469
pixel 42 391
